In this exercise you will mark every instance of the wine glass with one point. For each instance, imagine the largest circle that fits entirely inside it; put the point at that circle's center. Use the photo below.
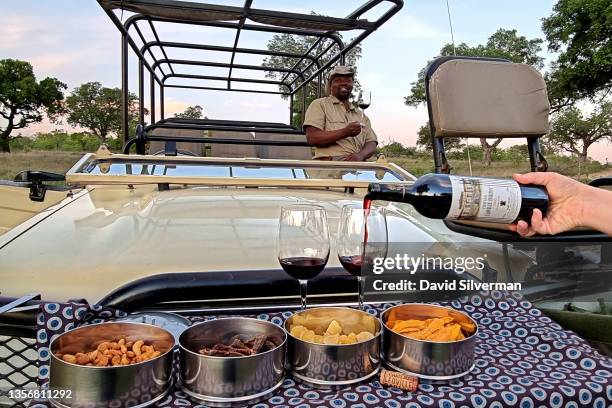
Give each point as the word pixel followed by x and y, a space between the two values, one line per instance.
pixel 363 101
pixel 303 243
pixel 362 237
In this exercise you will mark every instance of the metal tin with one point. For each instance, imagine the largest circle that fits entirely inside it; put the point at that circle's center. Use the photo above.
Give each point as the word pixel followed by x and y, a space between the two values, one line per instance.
pixel 135 385
pixel 174 323
pixel 430 360
pixel 327 365
pixel 230 381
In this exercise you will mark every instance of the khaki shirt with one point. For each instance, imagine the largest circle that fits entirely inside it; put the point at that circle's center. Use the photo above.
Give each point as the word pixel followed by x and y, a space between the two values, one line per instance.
pixel 329 114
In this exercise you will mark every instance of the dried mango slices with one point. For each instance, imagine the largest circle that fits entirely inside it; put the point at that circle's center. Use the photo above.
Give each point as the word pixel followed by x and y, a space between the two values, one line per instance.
pixel 435 329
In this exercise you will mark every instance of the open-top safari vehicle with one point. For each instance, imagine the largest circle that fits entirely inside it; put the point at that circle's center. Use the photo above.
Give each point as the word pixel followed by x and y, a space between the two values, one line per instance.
pixel 186 218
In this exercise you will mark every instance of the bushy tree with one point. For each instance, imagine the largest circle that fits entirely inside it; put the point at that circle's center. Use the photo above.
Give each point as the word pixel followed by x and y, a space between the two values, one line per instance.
pixel 573 132
pixel 24 100
pixel 424 140
pixel 301 44
pixel 98 109
pixel 580 31
pixel 191 112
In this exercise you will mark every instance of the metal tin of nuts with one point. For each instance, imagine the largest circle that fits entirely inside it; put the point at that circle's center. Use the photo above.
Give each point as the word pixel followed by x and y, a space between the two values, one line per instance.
pixel 330 365
pixel 430 360
pixel 230 381
pixel 134 385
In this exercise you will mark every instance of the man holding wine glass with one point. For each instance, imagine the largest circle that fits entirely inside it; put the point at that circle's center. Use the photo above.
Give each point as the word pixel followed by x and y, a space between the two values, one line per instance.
pixel 334 126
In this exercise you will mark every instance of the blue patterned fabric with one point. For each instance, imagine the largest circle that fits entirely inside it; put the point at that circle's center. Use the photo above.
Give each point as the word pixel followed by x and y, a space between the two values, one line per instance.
pixel 523 359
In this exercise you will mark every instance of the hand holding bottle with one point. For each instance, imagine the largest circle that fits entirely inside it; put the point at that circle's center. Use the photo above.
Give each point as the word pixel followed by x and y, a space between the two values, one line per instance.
pixel 572 204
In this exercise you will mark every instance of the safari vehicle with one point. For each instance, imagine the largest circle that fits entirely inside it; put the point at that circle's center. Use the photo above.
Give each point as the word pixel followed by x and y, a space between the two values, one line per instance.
pixel 186 218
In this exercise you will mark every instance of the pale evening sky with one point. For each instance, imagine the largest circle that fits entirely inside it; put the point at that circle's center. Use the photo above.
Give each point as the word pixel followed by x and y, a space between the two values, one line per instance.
pixel 76 42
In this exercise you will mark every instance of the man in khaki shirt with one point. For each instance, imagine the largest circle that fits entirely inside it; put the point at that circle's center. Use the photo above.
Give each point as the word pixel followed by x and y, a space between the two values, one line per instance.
pixel 334 126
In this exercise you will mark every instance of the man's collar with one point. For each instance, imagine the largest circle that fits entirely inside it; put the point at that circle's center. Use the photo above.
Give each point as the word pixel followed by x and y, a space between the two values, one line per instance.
pixel 336 100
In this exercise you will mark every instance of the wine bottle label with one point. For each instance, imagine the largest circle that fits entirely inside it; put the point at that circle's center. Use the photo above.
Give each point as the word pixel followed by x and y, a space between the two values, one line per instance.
pixel 482 199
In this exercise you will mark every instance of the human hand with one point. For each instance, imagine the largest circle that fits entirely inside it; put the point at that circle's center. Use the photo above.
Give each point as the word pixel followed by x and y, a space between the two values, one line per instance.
pixel 352 129
pixel 566 207
pixel 354 157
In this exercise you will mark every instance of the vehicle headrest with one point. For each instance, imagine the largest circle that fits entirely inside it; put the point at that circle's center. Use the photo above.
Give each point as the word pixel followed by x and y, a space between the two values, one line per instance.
pixel 481 98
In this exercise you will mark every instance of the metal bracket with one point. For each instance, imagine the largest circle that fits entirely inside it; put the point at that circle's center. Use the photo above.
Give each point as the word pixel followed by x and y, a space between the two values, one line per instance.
pixel 542 163
pixel 170 148
pixel 36 178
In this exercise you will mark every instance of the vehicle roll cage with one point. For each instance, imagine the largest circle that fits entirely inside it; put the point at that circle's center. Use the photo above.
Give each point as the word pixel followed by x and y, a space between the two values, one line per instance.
pixel 309 66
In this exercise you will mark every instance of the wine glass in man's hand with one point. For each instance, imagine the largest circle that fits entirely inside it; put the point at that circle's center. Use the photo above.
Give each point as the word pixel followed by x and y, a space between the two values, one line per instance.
pixel 364 101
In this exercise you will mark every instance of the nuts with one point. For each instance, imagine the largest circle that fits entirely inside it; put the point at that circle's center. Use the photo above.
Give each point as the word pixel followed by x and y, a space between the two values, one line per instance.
pixel 113 353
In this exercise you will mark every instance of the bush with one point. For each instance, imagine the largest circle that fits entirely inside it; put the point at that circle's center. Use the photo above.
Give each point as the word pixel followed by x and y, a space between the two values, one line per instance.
pixel 60 140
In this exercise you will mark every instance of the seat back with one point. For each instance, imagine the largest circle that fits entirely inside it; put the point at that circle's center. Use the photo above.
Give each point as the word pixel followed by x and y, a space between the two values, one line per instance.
pixel 232 150
pixel 483 98
pixel 283 152
pixel 195 149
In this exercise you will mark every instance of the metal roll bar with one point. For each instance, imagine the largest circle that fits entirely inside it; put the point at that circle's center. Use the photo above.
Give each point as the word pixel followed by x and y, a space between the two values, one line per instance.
pixel 306 68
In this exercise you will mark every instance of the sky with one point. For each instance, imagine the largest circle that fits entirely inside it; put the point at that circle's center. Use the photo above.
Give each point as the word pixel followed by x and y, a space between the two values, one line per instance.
pixel 75 41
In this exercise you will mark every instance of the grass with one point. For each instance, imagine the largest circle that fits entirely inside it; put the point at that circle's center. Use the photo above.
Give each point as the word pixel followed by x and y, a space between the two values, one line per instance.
pixel 420 166
pixel 60 161
pixel 47 160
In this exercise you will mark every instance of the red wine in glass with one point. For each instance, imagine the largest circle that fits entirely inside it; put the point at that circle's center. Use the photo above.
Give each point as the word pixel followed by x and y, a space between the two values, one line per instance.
pixel 352 264
pixel 358 224
pixel 303 243
pixel 364 101
pixel 302 267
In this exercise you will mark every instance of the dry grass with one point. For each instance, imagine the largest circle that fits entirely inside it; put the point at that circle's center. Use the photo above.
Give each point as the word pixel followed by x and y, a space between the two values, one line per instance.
pixel 419 166
pixel 60 162
pixel 46 160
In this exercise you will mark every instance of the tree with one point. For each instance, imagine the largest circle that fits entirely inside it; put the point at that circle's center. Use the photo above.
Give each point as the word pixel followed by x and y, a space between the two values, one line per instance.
pixel 396 149
pixel 23 100
pixel 581 32
pixel 501 44
pixel 301 44
pixel 424 140
pixel 98 109
pixel 574 133
pixel 191 112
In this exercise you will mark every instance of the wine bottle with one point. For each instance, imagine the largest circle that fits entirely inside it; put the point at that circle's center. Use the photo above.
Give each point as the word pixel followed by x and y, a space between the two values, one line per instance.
pixel 449 197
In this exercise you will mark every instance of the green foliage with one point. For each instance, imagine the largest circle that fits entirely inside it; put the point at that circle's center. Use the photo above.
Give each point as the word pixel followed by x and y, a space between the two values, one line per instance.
pixel 396 149
pixel 501 44
pixel 98 109
pixel 63 141
pixel 23 100
pixel 300 45
pixel 191 112
pixel 574 133
pixel 424 140
pixel 581 32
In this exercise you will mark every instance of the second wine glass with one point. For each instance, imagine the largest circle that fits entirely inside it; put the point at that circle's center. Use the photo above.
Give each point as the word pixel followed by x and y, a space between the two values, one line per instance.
pixel 303 243
pixel 362 237
pixel 364 101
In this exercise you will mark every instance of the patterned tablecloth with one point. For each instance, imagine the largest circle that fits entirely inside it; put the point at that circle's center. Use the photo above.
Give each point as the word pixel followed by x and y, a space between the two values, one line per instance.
pixel 523 359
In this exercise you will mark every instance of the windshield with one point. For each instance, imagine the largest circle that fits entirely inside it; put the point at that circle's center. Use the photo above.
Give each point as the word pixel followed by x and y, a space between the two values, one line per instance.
pixel 269 171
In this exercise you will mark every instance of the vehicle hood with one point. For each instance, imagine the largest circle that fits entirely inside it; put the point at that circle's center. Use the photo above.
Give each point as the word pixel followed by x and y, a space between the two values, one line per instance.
pixel 108 236
pixel 111 235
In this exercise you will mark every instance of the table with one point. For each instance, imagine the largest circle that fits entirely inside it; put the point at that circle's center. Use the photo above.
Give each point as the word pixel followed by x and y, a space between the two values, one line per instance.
pixel 523 359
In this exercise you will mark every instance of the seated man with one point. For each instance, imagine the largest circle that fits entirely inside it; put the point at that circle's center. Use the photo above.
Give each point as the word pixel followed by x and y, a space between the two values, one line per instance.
pixel 332 124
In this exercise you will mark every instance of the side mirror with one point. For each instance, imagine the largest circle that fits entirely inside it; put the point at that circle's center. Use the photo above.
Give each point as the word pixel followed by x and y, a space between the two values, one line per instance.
pixel 36 179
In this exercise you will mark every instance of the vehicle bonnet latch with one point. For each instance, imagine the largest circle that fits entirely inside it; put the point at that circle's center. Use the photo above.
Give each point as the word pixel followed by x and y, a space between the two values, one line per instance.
pixel 36 179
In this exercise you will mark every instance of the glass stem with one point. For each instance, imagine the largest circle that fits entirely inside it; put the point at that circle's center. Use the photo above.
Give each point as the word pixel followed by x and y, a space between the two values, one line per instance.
pixel 303 287
pixel 360 289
